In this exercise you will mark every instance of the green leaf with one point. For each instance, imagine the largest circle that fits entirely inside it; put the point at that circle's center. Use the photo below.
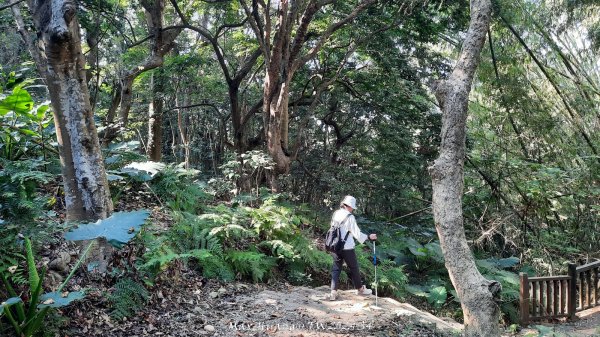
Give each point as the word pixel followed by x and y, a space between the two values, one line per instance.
pixel 486 264
pixel 34 278
pixel 435 251
pixel 416 290
pixel 437 296
pixel 41 111
pixel 415 247
pixel 19 101
pixel 507 262
pixel 118 229
pixel 29 132
pixel 56 300
pixel 509 277
pixel 544 330
pixel 417 251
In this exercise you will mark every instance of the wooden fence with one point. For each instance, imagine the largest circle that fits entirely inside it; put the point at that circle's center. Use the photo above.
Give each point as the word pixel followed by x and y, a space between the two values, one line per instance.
pixel 550 297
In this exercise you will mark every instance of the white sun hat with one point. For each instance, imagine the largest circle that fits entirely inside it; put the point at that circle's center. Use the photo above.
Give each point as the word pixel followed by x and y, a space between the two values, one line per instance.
pixel 349 201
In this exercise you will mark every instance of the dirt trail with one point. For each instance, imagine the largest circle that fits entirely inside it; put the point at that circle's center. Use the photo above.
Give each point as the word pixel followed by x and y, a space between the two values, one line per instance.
pixel 307 312
pixel 238 310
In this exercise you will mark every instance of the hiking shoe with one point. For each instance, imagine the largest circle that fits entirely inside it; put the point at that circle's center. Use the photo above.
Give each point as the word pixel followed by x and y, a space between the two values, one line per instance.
pixel 364 291
pixel 333 296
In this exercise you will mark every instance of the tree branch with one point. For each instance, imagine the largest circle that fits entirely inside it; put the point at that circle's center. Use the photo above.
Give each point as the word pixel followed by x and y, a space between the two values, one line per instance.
pixel 3 7
pixel 330 30
pixel 212 105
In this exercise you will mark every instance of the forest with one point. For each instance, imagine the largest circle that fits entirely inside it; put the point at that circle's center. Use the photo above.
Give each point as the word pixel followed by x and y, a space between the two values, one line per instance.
pixel 151 150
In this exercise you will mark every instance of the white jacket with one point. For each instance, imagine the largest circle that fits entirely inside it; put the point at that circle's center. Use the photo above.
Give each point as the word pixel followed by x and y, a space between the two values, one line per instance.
pixel 349 225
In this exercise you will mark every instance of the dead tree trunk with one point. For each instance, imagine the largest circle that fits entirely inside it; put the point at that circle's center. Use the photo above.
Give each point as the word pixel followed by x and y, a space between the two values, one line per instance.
pixel 477 294
pixel 87 195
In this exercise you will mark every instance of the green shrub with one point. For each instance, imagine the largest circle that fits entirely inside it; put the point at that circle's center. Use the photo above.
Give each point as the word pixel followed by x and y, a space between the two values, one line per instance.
pixel 241 241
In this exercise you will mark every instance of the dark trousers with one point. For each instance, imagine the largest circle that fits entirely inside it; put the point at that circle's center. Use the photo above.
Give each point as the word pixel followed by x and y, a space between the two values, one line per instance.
pixel 348 256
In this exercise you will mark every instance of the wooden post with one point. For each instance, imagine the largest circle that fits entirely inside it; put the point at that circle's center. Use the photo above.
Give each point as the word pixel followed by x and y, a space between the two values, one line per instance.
pixel 571 301
pixel 524 299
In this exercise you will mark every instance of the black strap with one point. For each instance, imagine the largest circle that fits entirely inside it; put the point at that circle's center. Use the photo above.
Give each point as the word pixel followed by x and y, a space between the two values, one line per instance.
pixel 340 226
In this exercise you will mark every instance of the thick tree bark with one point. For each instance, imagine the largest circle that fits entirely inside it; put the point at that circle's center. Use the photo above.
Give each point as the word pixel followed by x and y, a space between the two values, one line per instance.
pixel 477 294
pixel 87 195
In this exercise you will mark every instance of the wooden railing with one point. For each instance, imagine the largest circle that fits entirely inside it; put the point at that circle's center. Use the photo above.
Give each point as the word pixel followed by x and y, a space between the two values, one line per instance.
pixel 550 297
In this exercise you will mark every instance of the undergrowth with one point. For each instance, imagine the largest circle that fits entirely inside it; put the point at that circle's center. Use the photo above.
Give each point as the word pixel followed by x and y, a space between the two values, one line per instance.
pixel 254 238
pixel 127 298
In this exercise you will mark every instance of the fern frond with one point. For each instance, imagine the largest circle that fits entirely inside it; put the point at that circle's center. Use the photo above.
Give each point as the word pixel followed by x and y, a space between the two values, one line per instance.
pixel 281 250
pixel 128 297
pixel 250 263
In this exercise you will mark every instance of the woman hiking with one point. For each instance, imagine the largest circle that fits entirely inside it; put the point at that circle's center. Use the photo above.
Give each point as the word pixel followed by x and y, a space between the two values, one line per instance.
pixel 343 217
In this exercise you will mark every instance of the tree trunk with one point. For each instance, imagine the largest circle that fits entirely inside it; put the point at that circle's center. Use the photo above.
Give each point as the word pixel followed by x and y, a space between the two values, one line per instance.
pixel 477 294
pixel 283 44
pixel 162 42
pixel 87 195
pixel 276 109
pixel 155 111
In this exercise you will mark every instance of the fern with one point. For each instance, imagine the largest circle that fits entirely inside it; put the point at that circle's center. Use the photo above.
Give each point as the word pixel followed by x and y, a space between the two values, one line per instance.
pixel 390 277
pixel 274 221
pixel 173 185
pixel 217 267
pixel 18 182
pixel 159 260
pixel 281 250
pixel 250 263
pixel 193 233
pixel 315 259
pixel 128 297
pixel 299 278
pixel 231 234
pixel 10 258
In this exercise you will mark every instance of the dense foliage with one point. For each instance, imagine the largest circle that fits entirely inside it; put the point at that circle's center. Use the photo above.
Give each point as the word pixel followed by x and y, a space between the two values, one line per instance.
pixel 362 121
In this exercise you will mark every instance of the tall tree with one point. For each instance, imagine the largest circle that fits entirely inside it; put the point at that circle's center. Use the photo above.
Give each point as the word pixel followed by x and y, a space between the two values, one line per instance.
pixel 234 69
pixel 162 41
pixel 477 294
pixel 61 63
pixel 282 31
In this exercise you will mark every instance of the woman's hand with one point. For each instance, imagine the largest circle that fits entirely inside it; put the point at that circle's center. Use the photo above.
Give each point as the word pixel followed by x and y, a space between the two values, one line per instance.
pixel 373 237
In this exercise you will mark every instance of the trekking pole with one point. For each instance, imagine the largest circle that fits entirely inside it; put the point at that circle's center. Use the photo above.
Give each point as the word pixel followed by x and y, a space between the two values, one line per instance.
pixel 375 263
